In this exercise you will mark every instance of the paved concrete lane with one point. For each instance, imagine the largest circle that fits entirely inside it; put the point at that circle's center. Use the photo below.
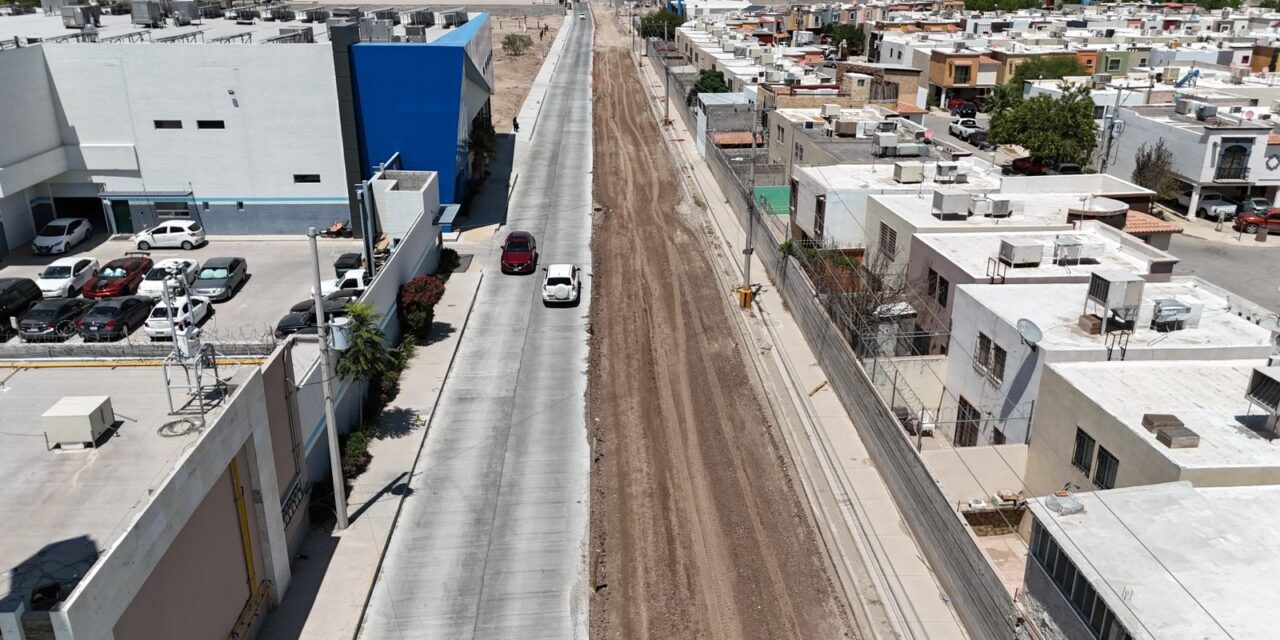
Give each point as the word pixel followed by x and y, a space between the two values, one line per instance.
pixel 492 541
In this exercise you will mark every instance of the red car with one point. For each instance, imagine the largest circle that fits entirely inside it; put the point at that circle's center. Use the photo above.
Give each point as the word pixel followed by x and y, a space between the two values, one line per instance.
pixel 1029 166
pixel 1251 221
pixel 120 277
pixel 519 253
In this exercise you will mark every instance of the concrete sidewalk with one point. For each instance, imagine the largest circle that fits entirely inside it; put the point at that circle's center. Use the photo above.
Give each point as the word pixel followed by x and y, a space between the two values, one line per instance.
pixel 877 560
pixel 334 572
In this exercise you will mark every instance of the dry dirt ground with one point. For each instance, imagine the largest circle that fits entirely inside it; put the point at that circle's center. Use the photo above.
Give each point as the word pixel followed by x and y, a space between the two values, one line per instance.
pixel 514 74
pixel 696 529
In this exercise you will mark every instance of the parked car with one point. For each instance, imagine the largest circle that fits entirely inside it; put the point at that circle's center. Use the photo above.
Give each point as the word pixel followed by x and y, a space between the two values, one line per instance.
pixel 174 271
pixel 114 318
pixel 304 320
pixel 519 253
pixel 187 312
pixel 64 276
pixel 120 277
pixel 16 296
pixel 220 278
pixel 52 320
pixel 347 262
pixel 561 286
pixel 962 127
pixel 341 297
pixel 355 280
pixel 1212 205
pixel 955 103
pixel 185 234
pixel 1251 222
pixel 965 110
pixel 60 234
pixel 1255 205
pixel 1066 169
pixel 1029 166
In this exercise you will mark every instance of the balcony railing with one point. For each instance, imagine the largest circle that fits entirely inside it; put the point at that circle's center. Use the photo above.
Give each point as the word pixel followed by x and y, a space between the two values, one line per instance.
pixel 1231 173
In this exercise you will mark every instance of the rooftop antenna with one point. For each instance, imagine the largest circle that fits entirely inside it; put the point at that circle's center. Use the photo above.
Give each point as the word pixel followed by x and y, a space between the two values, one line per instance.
pixel 1030 332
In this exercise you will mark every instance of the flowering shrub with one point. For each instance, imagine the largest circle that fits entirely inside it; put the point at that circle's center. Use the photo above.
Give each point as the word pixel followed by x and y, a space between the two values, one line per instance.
pixel 418 299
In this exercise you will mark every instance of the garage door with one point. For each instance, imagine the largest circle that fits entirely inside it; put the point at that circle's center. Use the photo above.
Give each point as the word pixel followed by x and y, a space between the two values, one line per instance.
pixel 90 208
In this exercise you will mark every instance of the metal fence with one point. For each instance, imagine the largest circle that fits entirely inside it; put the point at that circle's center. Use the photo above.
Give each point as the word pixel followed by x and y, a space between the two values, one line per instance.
pixel 869 387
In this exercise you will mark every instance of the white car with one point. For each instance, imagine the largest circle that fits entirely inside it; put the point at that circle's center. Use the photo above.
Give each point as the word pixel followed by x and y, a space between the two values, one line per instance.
pixel 1211 205
pixel 64 277
pixel 174 234
pixel 60 235
pixel 561 286
pixel 187 312
pixel 357 279
pixel 175 271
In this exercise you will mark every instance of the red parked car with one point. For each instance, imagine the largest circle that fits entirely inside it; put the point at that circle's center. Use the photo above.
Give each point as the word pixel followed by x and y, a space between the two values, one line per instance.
pixel 120 277
pixel 1251 221
pixel 519 253
pixel 1029 166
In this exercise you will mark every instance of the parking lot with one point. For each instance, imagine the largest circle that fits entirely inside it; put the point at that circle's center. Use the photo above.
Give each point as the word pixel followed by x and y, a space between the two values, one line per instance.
pixel 280 274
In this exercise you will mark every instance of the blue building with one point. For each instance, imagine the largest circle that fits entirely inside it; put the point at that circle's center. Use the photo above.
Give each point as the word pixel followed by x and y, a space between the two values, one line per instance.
pixel 422 100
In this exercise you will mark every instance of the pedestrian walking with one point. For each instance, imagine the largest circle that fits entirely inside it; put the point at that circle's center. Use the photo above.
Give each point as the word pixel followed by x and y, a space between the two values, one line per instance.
pixel 515 124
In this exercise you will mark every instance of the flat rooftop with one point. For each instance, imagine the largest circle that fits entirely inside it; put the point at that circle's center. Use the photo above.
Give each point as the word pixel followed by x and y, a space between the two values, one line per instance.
pixel 877 175
pixel 1042 211
pixel 1166 113
pixel 44 27
pixel 1115 250
pixel 1056 309
pixel 1208 397
pixel 60 509
pixel 1176 562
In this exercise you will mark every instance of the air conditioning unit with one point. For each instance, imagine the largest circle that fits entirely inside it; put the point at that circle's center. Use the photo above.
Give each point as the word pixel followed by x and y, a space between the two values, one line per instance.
pixel 418 17
pixel 1183 106
pixel 1101 80
pixel 947 172
pixel 147 13
pixel 1239 74
pixel 77 421
pixel 888 126
pixel 886 144
pixel 912 150
pixel 80 16
pixel 908 172
pixel 315 15
pixel 830 110
pixel 1116 291
pixel 1264 389
pixel 766 58
pixel 979 206
pixel 1001 206
pixel 950 204
pixel 387 14
pixel 1206 111
pixel 1021 253
pixel 847 127
pixel 1169 314
pixel 372 30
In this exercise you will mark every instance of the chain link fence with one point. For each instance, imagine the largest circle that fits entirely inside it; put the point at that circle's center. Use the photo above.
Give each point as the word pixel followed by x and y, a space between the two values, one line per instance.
pixel 840 306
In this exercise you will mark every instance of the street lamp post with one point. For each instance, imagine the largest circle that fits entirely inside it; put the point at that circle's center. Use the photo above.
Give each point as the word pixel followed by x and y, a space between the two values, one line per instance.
pixel 326 387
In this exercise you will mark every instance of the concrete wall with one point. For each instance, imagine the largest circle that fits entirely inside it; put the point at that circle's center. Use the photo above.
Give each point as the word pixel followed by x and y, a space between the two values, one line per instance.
pixel 200 585
pixel 401 197
pixel 1195 156
pixel 1045 597
pixel 121 574
pixel 27 102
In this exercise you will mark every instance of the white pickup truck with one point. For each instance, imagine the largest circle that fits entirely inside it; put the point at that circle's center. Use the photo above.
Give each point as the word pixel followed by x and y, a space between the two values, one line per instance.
pixel 1211 205
pixel 963 128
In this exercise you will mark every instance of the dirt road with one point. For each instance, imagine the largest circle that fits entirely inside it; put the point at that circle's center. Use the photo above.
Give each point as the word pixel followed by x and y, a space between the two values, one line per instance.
pixel 697 531
pixel 513 75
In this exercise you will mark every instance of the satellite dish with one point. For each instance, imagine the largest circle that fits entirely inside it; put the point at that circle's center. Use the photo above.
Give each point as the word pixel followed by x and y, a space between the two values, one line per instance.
pixel 1030 333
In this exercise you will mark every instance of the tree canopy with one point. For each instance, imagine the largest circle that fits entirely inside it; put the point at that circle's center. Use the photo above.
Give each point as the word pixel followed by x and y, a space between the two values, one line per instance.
pixel 1153 169
pixel 1009 94
pixel 1054 130
pixel 855 37
pixel 660 24
pixel 709 81
pixel 1002 5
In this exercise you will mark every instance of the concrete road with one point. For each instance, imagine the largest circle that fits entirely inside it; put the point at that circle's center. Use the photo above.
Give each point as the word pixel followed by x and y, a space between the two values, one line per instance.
pixel 491 541
pixel 1252 272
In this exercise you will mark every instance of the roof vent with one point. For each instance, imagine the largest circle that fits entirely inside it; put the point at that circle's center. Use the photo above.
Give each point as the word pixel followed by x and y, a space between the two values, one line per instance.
pixel 1176 436
pixel 1156 421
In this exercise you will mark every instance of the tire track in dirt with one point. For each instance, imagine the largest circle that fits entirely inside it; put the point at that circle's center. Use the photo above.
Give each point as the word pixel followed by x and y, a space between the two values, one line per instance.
pixel 697 531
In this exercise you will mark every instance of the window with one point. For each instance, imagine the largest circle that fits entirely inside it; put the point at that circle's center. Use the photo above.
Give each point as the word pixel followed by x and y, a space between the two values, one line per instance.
pixel 1142 62
pixel 306 178
pixel 173 210
pixel 1082 457
pixel 862 83
pixel 997 436
pixel 168 124
pixel 962 74
pixel 982 353
pixel 205 205
pixel 1113 64
pixel 819 216
pixel 1244 59
pixel 210 124
pixel 239 206
pixel 799 153
pixel 943 285
pixel 996 371
pixel 782 132
pixel 968 424
pixel 1105 476
pixel 888 242
pixel 931 282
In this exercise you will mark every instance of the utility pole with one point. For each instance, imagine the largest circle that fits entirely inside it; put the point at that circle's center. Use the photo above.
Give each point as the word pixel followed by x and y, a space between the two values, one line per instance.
pixel 666 68
pixel 745 292
pixel 326 387
pixel 1111 132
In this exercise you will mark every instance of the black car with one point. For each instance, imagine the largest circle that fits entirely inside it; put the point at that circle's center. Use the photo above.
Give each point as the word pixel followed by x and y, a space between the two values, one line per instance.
pixel 967 110
pixel 346 262
pixel 114 318
pixel 341 296
pixel 16 296
pixel 53 319
pixel 305 321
